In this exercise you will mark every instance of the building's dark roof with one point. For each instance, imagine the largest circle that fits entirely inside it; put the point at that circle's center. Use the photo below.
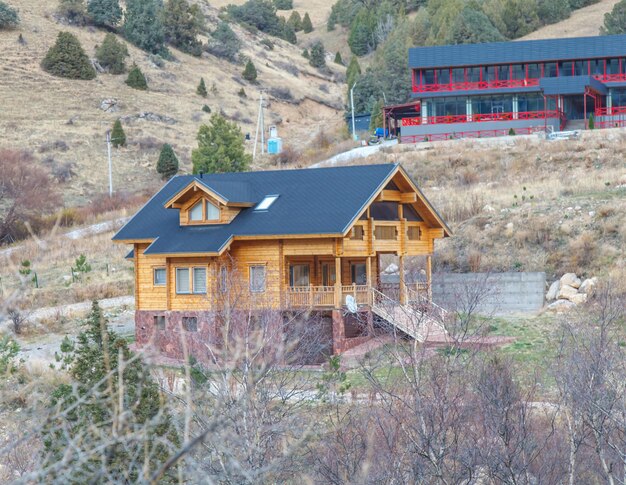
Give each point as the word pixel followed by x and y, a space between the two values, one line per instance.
pixel 570 85
pixel 520 51
pixel 311 201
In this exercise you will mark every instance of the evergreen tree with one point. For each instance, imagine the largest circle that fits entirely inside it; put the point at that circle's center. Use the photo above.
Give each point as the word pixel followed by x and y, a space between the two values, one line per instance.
pixel 220 148
pixel 249 73
pixel 472 27
pixel 289 34
pixel 591 124
pixel 201 91
pixel 307 26
pixel 66 58
pixel 74 11
pixel 519 18
pixel 338 59
pixel 110 414
pixel 111 54
pixel 106 13
pixel 353 72
pixel 615 21
pixel 136 79
pixel 361 37
pixel 118 137
pixel 553 11
pixel 8 16
pixel 182 23
pixel 318 55
pixel 143 25
pixel 225 42
pixel 283 4
pixel 376 116
pixel 295 21
pixel 305 54
pixel 167 165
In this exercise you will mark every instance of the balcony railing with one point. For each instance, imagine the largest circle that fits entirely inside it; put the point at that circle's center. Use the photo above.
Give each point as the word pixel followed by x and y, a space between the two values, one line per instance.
pixel 482 117
pixel 612 111
pixel 471 86
pixel 454 135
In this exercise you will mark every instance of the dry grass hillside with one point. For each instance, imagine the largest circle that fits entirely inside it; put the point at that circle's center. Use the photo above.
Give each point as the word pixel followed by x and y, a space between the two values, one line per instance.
pixel 61 120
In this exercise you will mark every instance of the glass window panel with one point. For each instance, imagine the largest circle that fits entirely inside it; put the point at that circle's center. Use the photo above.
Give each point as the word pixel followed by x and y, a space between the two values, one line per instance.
pixel 429 76
pixel 580 68
pixel 195 213
pixel 212 212
pixel 534 71
pixel 519 71
pixel 443 76
pixel 489 73
pixel 597 67
pixel 199 280
pixel 612 66
pixel 565 68
pixel 410 214
pixel 257 279
pixel 359 273
pixel 159 322
pixel 159 276
pixel 328 274
pixel 266 203
pixel 182 280
pixel 549 69
pixel 458 75
pixel 299 275
pixel 384 211
pixel 190 324
pixel 503 73
pixel 473 74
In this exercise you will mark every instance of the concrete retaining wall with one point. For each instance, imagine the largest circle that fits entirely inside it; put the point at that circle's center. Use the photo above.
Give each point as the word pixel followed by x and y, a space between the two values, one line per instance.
pixel 496 293
pixel 476 126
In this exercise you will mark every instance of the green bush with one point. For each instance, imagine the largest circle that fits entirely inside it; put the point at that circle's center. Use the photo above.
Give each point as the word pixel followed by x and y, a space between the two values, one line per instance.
pixel 112 54
pixel 249 72
pixel 8 16
pixel 295 21
pixel 143 25
pixel 106 13
pixel 225 43
pixel 167 166
pixel 289 34
pixel 615 20
pixel 318 55
pixel 66 58
pixel 118 137
pixel 591 124
pixel 338 59
pixel 201 90
pixel 376 118
pixel 307 26
pixel 511 132
pixel 305 54
pixel 220 148
pixel 182 24
pixel 206 108
pixel 242 93
pixel 74 11
pixel 283 4
pixel 258 14
pixel 136 79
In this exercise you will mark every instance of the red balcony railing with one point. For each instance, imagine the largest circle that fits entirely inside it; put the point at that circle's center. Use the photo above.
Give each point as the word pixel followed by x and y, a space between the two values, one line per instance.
pixel 469 134
pixel 481 117
pixel 471 86
pixel 614 110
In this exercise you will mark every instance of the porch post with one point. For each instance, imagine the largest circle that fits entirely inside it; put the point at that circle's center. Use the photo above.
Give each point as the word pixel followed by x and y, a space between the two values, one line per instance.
pixel 429 275
pixel 368 272
pixel 337 282
pixel 402 284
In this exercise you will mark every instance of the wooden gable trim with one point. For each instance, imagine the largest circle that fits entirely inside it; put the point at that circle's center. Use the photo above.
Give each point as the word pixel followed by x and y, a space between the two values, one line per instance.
pixel 195 186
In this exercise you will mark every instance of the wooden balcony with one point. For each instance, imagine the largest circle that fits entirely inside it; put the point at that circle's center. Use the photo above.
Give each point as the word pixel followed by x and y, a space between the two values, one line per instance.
pixel 371 236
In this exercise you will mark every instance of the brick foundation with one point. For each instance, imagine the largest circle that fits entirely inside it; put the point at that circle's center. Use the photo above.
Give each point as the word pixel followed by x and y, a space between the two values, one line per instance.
pixel 351 330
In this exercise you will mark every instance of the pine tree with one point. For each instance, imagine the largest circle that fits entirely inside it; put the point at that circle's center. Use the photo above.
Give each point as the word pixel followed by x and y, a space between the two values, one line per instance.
pixel 305 54
pixel 8 16
pixel 283 4
pixel 289 34
pixel 111 54
pixel 249 73
pixel 295 21
pixel 66 58
pixel 106 13
pixel 136 79
pixel 338 59
pixel 591 124
pixel 167 165
pixel 201 91
pixel 73 11
pixel 615 20
pixel 108 385
pixel 220 148
pixel 361 37
pixel 318 55
pixel 353 72
pixel 182 23
pixel 143 25
pixel 225 42
pixel 118 137
pixel 376 116
pixel 307 26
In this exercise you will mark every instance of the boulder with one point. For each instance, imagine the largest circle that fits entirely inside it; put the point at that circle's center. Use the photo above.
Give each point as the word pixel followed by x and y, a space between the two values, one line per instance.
pixel 578 299
pixel 570 279
pixel 566 292
pixel 109 105
pixel 587 286
pixel 553 292
pixel 560 306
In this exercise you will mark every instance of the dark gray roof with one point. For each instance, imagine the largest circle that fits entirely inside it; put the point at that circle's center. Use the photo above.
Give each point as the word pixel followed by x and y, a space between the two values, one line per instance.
pixel 570 85
pixel 520 51
pixel 311 201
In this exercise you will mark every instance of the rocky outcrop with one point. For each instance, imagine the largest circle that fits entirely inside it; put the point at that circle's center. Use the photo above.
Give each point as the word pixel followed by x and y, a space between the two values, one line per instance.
pixel 569 291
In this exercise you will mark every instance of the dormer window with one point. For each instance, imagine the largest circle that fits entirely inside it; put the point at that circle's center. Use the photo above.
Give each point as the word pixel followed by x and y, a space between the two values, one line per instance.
pixel 212 212
pixel 266 203
pixel 195 213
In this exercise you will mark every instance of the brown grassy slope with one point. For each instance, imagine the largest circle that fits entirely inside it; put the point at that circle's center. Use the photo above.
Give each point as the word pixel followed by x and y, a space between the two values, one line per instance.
pixel 36 108
pixel 583 22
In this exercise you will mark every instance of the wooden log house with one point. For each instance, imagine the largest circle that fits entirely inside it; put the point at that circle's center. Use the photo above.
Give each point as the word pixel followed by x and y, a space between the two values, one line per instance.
pixel 307 239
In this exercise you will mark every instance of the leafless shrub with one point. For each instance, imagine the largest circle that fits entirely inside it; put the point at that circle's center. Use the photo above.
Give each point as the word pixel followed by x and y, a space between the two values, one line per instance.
pixel 282 93
pixel 18 319
pixel 289 156
pixel 58 145
pixel 146 143
pixel 288 67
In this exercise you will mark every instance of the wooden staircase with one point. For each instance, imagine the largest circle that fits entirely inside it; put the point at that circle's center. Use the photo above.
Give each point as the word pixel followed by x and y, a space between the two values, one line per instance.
pixel 420 319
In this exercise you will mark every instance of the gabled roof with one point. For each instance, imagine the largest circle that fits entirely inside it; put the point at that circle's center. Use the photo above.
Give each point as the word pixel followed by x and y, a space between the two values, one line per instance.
pixel 518 51
pixel 238 193
pixel 320 202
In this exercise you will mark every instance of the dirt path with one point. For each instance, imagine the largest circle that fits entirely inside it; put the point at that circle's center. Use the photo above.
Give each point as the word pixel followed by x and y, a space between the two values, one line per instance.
pixel 583 22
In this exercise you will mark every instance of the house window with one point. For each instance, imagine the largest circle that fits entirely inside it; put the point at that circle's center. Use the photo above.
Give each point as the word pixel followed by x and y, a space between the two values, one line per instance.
pixel 266 203
pixel 580 68
pixel 413 233
pixel 410 214
pixel 357 233
pixel 358 272
pixel 182 281
pixel 388 233
pixel 534 71
pixel 212 212
pixel 299 275
pixel 199 280
pixel 190 324
pixel 159 322
pixel 159 276
pixel 257 278
pixel 518 71
pixel 195 213
pixel 549 69
pixel 329 276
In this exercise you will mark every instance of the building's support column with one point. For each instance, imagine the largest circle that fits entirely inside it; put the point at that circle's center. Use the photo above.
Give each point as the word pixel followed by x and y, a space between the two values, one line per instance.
pixel 429 276
pixel 515 106
pixel 402 283
pixel 339 332
pixel 609 101
pixel 468 108
pixel 368 273
pixel 338 302
pixel 424 109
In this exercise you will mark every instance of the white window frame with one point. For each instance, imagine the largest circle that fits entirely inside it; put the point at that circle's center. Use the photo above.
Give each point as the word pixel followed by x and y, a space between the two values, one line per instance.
pixel 208 204
pixel 266 203
pixel 251 268
pixel 154 278
pixel 193 280
pixel 178 270
pixel 200 204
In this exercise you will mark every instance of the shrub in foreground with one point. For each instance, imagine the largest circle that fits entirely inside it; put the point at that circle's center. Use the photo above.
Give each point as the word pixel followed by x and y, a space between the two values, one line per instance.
pixel 66 58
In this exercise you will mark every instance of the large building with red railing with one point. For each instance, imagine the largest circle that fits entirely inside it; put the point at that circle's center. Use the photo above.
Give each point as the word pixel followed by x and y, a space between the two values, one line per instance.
pixel 482 90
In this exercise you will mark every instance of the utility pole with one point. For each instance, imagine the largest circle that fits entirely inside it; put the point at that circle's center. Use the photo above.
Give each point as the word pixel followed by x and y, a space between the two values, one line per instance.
pixel 260 125
pixel 352 108
pixel 110 165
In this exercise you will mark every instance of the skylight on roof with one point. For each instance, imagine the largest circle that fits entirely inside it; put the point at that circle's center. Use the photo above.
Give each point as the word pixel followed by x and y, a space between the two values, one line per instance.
pixel 266 203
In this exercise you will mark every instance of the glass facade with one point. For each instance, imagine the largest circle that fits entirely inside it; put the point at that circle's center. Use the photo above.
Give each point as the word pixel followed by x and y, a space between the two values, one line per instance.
pixel 447 106
pixel 492 104
pixel 618 97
